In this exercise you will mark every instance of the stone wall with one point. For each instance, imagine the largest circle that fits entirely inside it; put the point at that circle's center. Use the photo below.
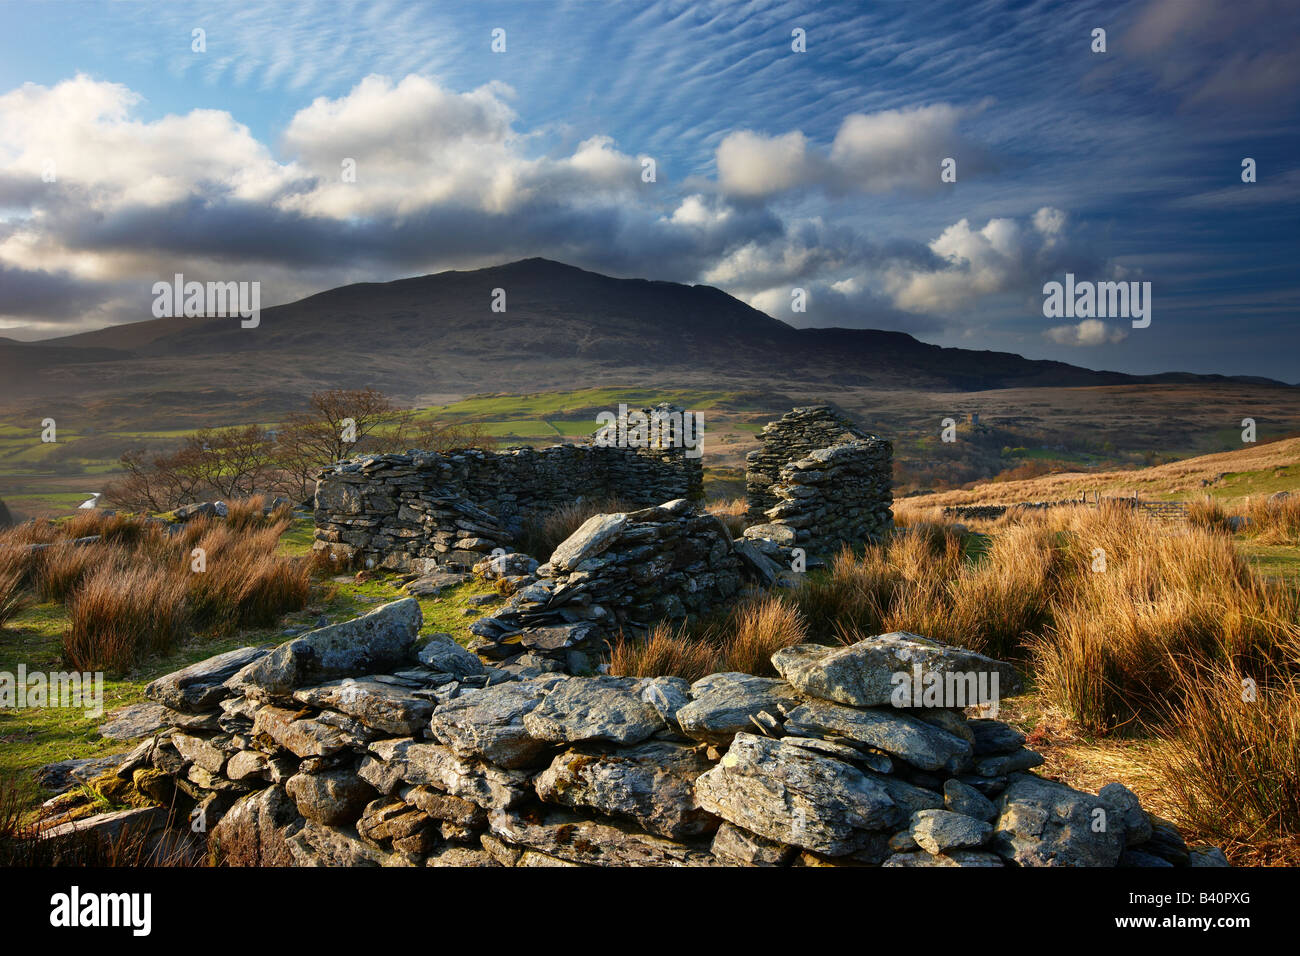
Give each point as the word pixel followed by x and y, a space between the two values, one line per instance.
pixel 618 572
pixel 835 495
pixel 818 481
pixel 393 509
pixel 795 435
pixel 364 743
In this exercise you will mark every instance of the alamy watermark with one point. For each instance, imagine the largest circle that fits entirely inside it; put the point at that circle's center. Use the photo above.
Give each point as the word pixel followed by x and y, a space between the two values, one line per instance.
pixel 70 689
pixel 661 428
pixel 197 300
pixel 1098 300
pixel 945 689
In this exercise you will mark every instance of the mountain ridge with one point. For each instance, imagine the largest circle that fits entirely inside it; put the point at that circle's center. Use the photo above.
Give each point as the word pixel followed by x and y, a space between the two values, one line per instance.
pixel 560 322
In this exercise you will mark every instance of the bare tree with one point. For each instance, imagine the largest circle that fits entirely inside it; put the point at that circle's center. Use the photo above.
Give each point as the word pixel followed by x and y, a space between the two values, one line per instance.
pixel 339 424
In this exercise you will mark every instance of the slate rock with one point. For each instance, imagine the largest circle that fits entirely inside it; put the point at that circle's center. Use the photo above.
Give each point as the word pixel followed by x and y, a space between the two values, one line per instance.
pixel 795 796
pixel 736 846
pixel 374 643
pixel 1044 823
pixel 862 674
pixel 565 836
pixel 332 798
pixel 938 831
pixel 201 687
pixel 490 724
pixel 444 655
pixel 376 704
pixel 960 798
pixel 722 704
pixel 254 831
pixel 895 732
pixel 651 784
pixel 597 709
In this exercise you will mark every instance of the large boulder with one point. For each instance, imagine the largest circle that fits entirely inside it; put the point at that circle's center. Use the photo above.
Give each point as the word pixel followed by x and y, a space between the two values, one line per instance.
pixel 865 674
pixel 796 796
pixel 374 643
pixel 201 687
pixel 491 724
pixel 652 783
pixel 1045 823
pixel 599 709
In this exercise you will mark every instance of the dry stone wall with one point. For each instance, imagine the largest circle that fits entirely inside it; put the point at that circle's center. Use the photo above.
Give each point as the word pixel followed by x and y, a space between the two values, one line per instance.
pixel 365 743
pixel 455 508
pixel 808 487
pixel 795 435
pixel 618 572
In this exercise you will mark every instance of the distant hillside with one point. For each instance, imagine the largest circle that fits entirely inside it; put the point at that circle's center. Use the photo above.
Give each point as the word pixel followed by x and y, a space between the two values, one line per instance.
pixel 1255 469
pixel 562 326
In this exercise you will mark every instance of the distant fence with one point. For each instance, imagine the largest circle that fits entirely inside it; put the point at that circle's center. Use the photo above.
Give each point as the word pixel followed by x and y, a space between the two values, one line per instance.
pixel 1160 510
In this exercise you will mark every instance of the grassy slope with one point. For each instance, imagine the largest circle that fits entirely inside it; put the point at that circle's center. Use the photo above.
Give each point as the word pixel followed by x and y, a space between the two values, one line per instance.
pixel 1253 470
pixel 32 737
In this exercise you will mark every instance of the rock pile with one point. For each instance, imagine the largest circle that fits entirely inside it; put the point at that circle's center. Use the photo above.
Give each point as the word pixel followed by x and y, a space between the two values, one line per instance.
pixel 617 572
pixel 366 744
pixel 793 436
pixel 394 509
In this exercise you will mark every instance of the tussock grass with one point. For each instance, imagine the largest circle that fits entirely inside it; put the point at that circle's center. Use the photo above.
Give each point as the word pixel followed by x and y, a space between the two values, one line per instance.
pixel 1124 623
pixel 13 599
pixel 137 591
pixel 742 640
pixel 119 615
pixel 1232 764
pixel 732 514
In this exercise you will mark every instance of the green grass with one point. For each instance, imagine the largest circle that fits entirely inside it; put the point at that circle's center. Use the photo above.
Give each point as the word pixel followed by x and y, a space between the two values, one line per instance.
pixel 33 737
pixel 1280 561
pixel 567 405
pixel 1238 484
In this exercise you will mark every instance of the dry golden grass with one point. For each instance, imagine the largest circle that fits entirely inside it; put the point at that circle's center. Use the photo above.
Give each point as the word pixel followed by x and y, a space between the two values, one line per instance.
pixel 743 639
pixel 1182 478
pixel 732 513
pixel 139 589
pixel 667 651
pixel 119 615
pixel 1232 762
pixel 13 598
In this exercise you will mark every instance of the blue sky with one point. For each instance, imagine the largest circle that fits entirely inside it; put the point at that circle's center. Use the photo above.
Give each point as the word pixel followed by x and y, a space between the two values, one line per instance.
pixel 774 169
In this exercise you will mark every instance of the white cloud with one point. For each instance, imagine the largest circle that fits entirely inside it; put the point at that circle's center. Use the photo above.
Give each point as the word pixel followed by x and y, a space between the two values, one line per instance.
pixel 751 165
pixel 1001 256
pixel 871 153
pixel 1086 333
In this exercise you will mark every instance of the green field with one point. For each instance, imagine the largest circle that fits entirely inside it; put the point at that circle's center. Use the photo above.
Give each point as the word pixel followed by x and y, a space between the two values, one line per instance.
pixel 49 478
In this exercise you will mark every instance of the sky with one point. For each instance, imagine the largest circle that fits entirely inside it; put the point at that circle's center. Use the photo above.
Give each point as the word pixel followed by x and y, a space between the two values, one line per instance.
pixel 309 145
